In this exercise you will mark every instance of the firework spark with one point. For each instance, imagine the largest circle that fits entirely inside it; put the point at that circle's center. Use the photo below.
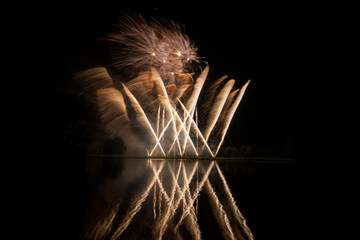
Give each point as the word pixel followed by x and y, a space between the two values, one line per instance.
pixel 218 106
pixel 152 43
pixel 229 115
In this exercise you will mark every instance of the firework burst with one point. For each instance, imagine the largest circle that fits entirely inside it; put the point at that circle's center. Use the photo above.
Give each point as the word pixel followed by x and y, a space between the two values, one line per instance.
pixel 139 44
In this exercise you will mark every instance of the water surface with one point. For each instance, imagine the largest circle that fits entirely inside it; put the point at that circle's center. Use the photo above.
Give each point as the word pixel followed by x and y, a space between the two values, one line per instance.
pixel 136 198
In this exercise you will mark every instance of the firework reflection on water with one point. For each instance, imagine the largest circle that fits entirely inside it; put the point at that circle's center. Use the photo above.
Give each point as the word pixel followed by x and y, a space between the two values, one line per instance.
pixel 156 199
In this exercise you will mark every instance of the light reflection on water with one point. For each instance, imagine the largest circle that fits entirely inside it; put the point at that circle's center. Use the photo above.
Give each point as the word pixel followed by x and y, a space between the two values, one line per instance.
pixel 162 199
pixel 136 198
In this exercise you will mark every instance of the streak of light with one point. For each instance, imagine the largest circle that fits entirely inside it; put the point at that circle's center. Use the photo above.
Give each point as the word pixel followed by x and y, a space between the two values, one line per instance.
pixel 196 128
pixel 230 114
pixel 164 98
pixel 182 128
pixel 140 115
pixel 113 110
pixel 192 100
pixel 217 107
pixel 161 135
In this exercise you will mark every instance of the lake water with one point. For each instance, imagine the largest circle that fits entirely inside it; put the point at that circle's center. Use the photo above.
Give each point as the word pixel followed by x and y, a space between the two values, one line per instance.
pixel 135 198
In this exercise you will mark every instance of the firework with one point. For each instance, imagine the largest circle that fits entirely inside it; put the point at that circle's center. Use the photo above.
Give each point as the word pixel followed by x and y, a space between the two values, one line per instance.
pixel 150 92
pixel 157 102
pixel 138 44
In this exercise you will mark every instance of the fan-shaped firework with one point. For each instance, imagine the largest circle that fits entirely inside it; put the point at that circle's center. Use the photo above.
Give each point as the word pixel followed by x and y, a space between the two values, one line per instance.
pixel 158 103
pixel 157 106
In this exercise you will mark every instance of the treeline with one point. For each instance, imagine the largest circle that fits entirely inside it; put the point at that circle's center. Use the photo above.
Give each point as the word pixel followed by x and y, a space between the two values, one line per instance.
pixel 112 146
pixel 256 151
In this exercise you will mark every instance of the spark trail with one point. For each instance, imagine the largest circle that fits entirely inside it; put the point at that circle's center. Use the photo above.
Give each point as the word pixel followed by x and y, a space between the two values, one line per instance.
pixel 197 130
pixel 140 115
pixel 218 106
pixel 230 115
pixel 192 100
pixel 164 99
pixel 186 134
